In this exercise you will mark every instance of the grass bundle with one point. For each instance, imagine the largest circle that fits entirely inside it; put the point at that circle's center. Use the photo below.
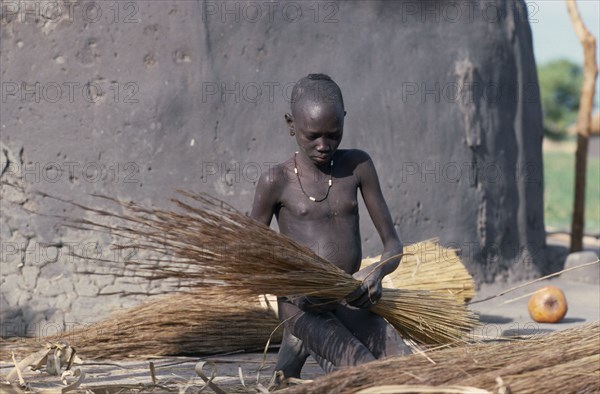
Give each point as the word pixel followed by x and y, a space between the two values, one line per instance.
pixel 207 321
pixel 201 322
pixel 214 244
pixel 429 266
pixel 560 362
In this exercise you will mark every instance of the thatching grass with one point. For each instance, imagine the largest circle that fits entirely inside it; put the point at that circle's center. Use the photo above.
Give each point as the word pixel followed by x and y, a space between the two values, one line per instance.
pixel 210 321
pixel 561 362
pixel 199 323
pixel 215 244
pixel 429 266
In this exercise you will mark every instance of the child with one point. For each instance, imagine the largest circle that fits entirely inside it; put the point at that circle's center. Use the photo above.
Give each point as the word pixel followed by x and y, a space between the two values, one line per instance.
pixel 314 198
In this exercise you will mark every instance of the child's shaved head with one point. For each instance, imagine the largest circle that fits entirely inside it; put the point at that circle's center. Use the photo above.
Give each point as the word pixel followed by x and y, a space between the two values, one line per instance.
pixel 316 88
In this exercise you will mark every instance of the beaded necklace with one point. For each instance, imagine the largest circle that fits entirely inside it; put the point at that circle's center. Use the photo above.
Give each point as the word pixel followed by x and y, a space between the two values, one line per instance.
pixel 330 182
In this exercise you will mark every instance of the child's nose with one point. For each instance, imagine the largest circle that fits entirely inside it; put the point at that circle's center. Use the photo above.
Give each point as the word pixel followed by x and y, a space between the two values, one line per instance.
pixel 323 145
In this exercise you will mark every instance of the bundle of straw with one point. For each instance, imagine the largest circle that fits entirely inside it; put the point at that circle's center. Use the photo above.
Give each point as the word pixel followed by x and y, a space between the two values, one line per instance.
pixel 205 322
pixel 209 321
pixel 215 244
pixel 429 266
pixel 561 362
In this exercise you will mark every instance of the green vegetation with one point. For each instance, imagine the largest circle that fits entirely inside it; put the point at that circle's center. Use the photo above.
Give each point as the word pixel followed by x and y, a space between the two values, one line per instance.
pixel 560 87
pixel 559 173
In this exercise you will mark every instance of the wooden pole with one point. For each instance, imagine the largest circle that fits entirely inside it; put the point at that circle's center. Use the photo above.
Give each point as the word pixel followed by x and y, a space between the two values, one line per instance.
pixel 586 103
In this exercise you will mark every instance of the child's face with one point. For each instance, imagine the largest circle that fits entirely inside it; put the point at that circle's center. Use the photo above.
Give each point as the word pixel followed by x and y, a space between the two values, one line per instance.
pixel 319 128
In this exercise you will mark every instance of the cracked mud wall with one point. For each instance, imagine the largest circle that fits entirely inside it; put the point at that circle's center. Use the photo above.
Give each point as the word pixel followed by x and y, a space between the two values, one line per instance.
pixel 135 99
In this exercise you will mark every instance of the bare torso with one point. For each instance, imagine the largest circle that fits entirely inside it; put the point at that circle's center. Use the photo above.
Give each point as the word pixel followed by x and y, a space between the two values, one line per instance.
pixel 330 227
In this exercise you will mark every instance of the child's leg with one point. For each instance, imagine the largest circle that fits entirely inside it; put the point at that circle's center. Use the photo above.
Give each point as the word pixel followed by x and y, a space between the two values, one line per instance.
pixel 292 356
pixel 374 331
pixel 292 353
pixel 326 365
pixel 327 338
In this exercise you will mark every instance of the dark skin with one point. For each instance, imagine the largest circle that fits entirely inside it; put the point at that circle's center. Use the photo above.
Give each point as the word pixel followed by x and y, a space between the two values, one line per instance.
pixel 343 333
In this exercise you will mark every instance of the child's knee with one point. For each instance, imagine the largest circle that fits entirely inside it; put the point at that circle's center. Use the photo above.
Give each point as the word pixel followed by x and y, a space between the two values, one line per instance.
pixel 395 345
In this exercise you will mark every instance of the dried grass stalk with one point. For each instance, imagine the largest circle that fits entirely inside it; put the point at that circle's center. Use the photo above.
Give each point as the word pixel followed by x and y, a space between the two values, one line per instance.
pixel 215 244
pixel 429 266
pixel 201 322
pixel 561 362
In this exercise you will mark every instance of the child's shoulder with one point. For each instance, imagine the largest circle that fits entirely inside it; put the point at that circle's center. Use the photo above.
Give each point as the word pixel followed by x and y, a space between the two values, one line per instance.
pixel 358 162
pixel 353 157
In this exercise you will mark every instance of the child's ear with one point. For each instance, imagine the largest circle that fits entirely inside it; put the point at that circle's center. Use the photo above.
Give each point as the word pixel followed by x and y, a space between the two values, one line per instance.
pixel 289 119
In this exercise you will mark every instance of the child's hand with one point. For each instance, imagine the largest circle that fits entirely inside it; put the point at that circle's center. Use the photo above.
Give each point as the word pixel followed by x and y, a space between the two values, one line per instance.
pixel 369 293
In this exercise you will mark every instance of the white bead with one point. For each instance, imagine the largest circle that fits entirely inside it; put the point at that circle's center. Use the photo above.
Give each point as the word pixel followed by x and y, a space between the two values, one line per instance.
pixel 312 198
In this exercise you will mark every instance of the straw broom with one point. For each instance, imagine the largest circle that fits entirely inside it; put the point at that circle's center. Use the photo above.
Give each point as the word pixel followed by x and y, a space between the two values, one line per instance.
pixel 206 322
pixel 215 244
pixel 429 266
pixel 560 362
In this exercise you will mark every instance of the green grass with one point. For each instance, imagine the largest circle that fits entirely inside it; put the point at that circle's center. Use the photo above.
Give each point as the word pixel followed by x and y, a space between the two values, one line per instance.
pixel 559 175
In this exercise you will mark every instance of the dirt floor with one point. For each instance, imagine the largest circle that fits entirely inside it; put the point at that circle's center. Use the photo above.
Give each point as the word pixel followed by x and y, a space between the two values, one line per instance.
pixel 502 316
pixel 175 374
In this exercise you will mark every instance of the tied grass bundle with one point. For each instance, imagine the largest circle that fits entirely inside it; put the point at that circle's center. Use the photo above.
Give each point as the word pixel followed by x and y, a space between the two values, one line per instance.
pixel 429 266
pixel 215 244
pixel 561 362
pixel 206 322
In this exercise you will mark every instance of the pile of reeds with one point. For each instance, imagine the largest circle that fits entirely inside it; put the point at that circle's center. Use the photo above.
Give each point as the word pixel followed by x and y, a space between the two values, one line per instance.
pixel 561 362
pixel 429 266
pixel 215 244
pixel 211 321
pixel 202 322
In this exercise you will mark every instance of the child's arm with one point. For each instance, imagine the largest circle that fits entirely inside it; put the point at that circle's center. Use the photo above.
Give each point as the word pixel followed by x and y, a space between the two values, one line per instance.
pixel 370 189
pixel 266 197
